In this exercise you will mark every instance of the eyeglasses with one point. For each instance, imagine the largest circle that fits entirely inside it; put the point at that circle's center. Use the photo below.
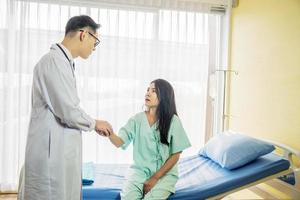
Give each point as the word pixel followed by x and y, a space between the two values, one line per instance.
pixel 97 40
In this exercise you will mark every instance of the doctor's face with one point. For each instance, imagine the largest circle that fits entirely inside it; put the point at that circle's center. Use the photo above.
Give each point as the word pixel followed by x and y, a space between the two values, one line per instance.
pixel 89 42
pixel 151 99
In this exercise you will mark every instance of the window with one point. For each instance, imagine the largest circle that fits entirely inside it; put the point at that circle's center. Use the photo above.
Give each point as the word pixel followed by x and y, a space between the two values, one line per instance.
pixel 137 46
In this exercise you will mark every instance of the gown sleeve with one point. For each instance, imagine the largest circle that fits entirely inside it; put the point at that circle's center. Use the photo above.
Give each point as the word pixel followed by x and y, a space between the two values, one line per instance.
pixel 127 133
pixel 178 137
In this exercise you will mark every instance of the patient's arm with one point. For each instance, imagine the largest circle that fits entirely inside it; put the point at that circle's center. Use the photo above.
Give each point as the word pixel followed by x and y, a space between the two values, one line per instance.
pixel 172 160
pixel 116 140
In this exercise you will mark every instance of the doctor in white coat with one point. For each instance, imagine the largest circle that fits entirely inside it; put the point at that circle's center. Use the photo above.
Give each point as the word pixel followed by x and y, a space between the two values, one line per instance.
pixel 53 157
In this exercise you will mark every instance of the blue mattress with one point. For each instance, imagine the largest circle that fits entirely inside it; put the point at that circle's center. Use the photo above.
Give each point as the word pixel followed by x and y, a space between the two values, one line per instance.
pixel 200 177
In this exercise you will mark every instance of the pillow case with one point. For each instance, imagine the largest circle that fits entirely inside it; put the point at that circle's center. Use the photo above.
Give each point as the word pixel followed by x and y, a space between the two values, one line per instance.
pixel 232 150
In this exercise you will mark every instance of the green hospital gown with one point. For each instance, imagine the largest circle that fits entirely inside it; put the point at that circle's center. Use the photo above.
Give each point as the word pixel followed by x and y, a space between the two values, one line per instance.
pixel 149 154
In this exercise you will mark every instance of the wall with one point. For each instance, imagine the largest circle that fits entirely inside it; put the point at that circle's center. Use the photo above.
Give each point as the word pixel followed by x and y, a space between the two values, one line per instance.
pixel 264 98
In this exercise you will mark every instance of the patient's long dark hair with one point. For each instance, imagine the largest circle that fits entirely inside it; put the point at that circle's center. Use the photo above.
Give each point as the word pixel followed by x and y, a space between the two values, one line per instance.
pixel 166 107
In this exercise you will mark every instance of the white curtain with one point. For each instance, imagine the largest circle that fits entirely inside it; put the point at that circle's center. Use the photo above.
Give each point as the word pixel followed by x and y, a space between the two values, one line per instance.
pixel 137 46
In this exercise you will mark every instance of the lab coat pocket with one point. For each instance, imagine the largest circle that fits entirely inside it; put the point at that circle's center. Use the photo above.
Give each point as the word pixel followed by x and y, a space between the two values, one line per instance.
pixel 72 143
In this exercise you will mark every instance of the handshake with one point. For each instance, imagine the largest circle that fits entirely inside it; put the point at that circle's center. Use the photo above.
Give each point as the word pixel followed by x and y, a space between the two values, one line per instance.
pixel 103 128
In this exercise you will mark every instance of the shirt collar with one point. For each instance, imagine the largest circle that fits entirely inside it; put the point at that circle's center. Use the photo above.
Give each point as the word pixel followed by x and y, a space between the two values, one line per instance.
pixel 67 52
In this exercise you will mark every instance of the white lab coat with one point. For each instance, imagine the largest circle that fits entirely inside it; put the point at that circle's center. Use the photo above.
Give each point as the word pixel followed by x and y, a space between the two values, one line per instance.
pixel 53 158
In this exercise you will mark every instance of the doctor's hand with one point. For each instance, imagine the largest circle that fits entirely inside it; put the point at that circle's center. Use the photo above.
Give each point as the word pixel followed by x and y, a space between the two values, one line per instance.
pixel 103 128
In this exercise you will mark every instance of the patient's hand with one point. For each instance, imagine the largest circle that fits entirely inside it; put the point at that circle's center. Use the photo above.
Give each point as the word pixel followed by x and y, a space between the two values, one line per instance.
pixel 149 184
pixel 103 128
pixel 116 140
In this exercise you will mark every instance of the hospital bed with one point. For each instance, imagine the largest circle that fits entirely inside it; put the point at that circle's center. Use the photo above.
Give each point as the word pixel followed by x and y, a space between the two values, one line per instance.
pixel 200 177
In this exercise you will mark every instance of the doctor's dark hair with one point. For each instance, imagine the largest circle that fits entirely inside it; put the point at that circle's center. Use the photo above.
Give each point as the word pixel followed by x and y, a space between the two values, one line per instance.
pixel 166 108
pixel 78 22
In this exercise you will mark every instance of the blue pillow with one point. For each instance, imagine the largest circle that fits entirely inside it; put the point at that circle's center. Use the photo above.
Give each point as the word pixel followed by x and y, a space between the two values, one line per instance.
pixel 234 150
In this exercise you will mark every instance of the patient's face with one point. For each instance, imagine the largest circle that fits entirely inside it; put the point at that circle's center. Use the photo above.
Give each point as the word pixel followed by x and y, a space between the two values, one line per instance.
pixel 151 99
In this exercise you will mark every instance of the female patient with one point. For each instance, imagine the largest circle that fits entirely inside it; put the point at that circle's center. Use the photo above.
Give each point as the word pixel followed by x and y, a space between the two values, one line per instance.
pixel 158 139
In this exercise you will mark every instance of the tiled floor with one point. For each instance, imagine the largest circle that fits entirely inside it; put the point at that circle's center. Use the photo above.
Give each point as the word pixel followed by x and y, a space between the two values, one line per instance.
pixel 8 197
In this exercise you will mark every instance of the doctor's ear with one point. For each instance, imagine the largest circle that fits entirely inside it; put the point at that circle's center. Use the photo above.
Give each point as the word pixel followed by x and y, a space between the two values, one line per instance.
pixel 81 36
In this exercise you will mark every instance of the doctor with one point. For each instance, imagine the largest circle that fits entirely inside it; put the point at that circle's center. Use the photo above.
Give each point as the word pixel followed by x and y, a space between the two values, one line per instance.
pixel 52 169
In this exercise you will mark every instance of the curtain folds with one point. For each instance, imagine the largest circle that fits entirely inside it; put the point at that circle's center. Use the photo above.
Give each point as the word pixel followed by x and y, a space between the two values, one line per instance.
pixel 137 46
